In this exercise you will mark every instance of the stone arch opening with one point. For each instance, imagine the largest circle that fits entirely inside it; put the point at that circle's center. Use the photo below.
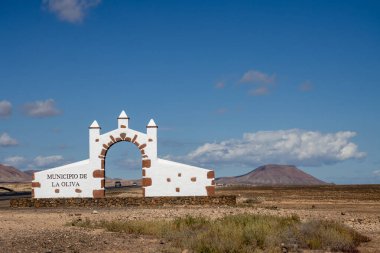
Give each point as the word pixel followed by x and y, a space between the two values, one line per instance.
pixel 144 158
pixel 123 170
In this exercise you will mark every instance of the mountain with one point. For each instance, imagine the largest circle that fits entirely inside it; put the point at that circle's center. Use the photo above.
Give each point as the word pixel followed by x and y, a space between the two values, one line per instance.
pixel 11 174
pixel 31 172
pixel 272 174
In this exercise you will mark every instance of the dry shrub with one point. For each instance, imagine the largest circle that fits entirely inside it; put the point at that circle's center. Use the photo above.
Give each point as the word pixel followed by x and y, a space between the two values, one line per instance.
pixel 330 235
pixel 250 200
pixel 240 233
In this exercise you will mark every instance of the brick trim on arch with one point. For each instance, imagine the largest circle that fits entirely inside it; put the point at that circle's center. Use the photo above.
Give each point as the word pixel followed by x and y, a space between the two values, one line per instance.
pixel 146 181
pixel 36 185
pixel 98 174
pixel 210 190
pixel 146 163
pixel 211 174
pixel 97 194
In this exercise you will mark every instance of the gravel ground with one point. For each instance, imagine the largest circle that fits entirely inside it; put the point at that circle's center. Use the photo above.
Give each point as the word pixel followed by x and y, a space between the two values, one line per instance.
pixel 46 230
pixel 49 230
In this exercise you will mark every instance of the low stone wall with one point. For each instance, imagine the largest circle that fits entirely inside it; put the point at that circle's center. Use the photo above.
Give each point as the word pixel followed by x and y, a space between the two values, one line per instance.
pixel 122 201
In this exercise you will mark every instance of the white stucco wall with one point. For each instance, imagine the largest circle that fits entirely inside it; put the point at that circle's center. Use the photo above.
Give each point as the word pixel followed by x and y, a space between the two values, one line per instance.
pixel 77 182
pixel 175 179
pixel 159 177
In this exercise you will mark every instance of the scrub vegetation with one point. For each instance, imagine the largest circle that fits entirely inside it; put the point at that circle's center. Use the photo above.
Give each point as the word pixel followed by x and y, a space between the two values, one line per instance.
pixel 239 233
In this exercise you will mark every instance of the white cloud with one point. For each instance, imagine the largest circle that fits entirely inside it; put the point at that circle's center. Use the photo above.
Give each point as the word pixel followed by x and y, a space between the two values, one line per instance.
pixel 40 109
pixel 39 162
pixel 376 173
pixel 72 11
pixel 6 140
pixel 255 76
pixel 5 109
pixel 48 161
pixel 15 161
pixel 294 146
pixel 259 91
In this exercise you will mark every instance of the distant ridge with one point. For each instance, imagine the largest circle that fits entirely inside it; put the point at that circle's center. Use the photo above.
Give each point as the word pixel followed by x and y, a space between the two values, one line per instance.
pixel 30 172
pixel 11 174
pixel 272 174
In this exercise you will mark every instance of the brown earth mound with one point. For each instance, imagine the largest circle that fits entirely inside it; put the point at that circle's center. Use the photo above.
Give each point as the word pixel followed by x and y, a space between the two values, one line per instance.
pixel 272 174
pixel 11 174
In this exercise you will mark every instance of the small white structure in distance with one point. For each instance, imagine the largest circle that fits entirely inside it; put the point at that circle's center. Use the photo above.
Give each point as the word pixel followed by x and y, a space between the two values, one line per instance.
pixel 86 179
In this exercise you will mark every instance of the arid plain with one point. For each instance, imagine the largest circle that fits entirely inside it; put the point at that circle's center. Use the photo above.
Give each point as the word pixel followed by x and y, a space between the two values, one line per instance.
pixel 49 230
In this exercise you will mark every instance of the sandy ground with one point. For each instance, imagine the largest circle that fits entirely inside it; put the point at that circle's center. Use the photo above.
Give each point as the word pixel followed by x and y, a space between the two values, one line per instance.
pixel 47 230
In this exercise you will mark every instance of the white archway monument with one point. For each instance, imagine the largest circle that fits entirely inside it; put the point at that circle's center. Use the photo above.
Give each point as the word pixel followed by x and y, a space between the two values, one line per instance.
pixel 86 179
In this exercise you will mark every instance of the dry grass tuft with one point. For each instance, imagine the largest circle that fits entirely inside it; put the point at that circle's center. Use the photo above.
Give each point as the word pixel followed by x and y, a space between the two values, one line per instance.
pixel 250 200
pixel 240 233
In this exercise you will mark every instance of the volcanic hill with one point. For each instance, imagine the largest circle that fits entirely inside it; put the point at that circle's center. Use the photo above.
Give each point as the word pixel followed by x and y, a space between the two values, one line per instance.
pixel 11 174
pixel 272 174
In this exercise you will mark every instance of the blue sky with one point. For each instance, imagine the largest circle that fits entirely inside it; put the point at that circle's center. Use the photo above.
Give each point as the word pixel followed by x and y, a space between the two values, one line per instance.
pixel 231 84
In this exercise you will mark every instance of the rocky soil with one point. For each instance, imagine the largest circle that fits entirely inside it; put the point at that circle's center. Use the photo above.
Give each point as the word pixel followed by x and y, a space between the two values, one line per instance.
pixel 49 230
